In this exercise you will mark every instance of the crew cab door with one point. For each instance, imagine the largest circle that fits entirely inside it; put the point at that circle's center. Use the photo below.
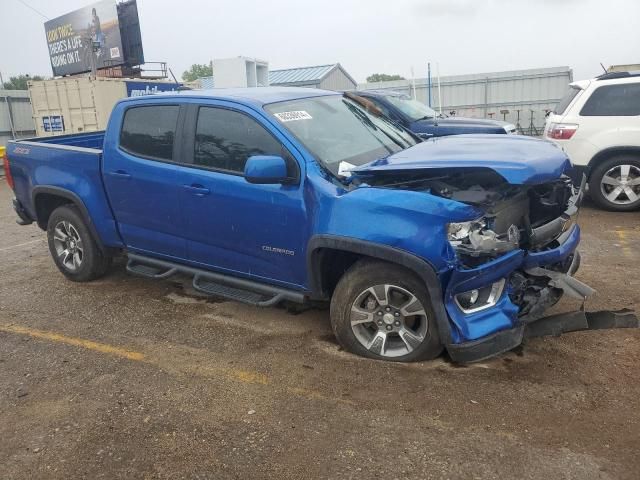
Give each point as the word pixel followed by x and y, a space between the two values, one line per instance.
pixel 144 179
pixel 232 225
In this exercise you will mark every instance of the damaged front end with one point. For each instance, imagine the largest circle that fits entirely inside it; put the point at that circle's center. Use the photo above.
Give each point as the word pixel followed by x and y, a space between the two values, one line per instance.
pixel 516 257
pixel 511 263
pixel 540 220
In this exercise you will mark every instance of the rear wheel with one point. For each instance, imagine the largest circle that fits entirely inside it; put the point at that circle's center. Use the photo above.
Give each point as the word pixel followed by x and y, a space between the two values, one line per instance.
pixel 615 184
pixel 73 248
pixel 383 311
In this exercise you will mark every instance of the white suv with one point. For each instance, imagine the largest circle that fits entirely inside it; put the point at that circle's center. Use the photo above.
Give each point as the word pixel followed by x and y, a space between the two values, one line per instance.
pixel 598 125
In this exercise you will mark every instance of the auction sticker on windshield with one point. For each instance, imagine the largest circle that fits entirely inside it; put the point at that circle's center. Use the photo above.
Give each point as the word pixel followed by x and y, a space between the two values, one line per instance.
pixel 292 116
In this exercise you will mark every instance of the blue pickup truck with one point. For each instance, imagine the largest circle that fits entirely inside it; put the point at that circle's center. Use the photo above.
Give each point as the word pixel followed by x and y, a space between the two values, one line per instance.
pixel 425 122
pixel 299 195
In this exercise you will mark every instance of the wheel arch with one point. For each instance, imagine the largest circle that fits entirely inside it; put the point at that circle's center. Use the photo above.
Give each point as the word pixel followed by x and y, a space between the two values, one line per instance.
pixel 607 153
pixel 324 253
pixel 45 199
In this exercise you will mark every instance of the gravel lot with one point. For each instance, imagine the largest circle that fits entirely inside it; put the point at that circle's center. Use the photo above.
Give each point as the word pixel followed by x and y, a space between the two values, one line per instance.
pixel 132 378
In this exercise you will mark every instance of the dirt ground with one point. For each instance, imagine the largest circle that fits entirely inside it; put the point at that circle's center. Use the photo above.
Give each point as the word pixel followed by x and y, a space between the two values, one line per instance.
pixel 132 378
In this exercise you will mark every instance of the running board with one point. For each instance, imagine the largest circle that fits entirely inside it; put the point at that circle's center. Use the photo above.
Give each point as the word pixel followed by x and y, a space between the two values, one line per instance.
pixel 212 283
pixel 149 271
pixel 237 294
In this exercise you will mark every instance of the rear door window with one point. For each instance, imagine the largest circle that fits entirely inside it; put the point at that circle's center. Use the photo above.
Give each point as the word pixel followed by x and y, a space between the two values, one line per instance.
pixel 621 100
pixel 562 105
pixel 150 131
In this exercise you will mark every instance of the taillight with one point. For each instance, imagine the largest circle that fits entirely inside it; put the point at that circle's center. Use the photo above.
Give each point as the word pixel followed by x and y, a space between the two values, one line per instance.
pixel 7 170
pixel 562 131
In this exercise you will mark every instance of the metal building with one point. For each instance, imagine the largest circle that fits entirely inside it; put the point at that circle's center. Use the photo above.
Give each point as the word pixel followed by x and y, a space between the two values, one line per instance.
pixel 15 115
pixel 327 77
pixel 491 95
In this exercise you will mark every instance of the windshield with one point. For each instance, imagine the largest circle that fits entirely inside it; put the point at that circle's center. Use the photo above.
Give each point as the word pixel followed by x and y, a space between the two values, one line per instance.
pixel 336 129
pixel 413 109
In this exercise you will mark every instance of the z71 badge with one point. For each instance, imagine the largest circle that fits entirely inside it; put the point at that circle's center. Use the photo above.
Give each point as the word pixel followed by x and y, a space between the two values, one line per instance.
pixel 21 150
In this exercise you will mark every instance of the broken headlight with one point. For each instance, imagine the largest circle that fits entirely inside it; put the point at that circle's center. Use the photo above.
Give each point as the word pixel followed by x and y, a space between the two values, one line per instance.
pixel 475 238
pixel 459 232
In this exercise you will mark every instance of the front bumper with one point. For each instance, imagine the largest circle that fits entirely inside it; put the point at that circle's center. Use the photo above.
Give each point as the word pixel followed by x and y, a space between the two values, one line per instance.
pixel 503 315
pixel 502 327
pixel 533 281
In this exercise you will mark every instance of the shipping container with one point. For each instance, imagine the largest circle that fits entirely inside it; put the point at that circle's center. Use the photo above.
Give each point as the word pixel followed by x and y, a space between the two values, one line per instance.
pixel 15 115
pixel 83 104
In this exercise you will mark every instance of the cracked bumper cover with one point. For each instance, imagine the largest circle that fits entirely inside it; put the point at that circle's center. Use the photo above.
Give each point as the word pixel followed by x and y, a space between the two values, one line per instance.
pixel 498 329
pixel 504 314
pixel 501 326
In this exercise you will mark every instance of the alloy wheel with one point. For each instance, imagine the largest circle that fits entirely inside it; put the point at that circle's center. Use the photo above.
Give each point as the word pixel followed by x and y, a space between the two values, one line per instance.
pixel 68 245
pixel 388 320
pixel 620 185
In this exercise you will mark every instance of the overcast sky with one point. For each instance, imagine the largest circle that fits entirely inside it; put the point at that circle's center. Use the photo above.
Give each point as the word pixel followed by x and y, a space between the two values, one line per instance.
pixel 365 36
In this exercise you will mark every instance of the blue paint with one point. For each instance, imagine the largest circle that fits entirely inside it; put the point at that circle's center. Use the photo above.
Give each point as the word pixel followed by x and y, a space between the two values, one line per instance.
pixel 519 159
pixel 220 221
pixel 265 169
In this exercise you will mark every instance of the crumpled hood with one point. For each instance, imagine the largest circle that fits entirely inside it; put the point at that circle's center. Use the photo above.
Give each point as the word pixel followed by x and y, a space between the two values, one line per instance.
pixel 518 159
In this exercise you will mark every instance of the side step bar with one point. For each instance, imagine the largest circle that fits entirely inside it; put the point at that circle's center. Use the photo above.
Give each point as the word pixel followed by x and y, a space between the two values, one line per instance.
pixel 149 271
pixel 240 295
pixel 211 283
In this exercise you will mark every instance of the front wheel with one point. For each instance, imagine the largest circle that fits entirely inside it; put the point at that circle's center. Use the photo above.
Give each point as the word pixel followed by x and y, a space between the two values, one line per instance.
pixel 615 184
pixel 383 311
pixel 73 248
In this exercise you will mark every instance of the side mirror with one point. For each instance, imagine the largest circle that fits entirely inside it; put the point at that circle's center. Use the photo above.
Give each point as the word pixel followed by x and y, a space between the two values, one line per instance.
pixel 264 169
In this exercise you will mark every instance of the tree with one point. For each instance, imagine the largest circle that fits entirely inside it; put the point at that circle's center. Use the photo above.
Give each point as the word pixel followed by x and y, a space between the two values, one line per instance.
pixel 20 82
pixel 383 77
pixel 196 71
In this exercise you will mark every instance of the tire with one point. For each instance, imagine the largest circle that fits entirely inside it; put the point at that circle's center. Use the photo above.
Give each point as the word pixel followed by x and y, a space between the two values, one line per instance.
pixel 73 248
pixel 409 335
pixel 607 179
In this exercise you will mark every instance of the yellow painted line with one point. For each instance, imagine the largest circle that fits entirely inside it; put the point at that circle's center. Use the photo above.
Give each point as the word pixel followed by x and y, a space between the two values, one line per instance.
pixel 250 377
pixel 622 237
pixel 76 342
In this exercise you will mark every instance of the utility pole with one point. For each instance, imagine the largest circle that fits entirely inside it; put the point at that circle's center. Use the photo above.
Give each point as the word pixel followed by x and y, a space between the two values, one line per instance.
pixel 439 91
pixel 429 80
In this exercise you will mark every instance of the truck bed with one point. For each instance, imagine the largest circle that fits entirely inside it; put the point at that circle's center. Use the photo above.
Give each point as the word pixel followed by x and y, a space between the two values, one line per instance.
pixel 69 165
pixel 86 140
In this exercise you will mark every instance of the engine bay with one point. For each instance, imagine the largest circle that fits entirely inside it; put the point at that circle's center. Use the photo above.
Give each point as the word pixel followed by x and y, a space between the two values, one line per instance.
pixel 515 216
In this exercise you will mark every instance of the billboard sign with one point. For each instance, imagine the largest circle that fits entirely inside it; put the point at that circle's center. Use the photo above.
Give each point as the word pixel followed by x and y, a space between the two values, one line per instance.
pixel 137 89
pixel 84 37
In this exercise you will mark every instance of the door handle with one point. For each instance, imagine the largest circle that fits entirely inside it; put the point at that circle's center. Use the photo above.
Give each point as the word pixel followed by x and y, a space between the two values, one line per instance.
pixel 197 190
pixel 120 174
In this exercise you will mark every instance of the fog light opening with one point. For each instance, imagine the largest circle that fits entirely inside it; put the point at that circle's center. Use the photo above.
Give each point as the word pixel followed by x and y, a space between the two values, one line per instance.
pixel 480 298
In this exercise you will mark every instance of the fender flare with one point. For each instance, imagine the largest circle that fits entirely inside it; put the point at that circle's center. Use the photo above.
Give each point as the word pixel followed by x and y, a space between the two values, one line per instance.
pixel 420 267
pixel 610 152
pixel 76 201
